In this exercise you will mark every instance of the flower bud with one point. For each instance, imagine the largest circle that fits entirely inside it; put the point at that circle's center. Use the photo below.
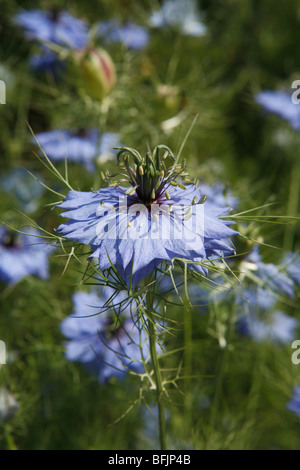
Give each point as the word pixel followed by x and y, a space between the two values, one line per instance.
pixel 95 71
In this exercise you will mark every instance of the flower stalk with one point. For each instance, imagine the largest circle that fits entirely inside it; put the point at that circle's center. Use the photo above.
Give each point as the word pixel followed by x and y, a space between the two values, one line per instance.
pixel 156 368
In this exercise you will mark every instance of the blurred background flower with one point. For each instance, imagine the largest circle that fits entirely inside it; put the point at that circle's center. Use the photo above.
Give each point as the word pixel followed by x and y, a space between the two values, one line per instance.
pixel 294 403
pixel 48 29
pixel 129 34
pixel 22 187
pixel 84 146
pixel 280 103
pixel 103 334
pixel 179 14
pixel 23 254
pixel 212 81
pixel 275 327
pixel 55 26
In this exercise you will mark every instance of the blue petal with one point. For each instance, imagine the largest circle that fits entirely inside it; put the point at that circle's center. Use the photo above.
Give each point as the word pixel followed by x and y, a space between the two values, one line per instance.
pixel 280 103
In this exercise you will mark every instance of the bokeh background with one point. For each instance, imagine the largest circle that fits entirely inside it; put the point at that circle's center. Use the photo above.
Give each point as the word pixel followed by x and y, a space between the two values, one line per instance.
pixel 176 86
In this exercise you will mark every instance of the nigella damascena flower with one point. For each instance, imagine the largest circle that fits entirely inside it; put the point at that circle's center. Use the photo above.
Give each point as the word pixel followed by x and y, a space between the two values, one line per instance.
pixel 59 27
pixel 271 326
pixel 130 34
pixel 294 403
pixel 268 275
pixel 102 334
pixel 23 188
pixel 108 143
pixel 181 14
pixel 23 254
pixel 291 263
pixel 47 61
pixel 153 220
pixel 280 103
pixel 263 285
pixel 219 196
pixel 78 146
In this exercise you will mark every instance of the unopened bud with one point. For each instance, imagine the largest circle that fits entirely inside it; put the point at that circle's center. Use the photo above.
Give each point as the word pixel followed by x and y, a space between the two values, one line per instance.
pixel 95 71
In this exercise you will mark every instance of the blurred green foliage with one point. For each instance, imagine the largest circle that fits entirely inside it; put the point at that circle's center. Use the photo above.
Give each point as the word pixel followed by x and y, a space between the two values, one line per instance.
pixel 239 393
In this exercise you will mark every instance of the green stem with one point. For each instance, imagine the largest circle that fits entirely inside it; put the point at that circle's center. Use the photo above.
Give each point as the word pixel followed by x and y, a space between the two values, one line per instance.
pixel 188 341
pixel 187 365
pixel 156 369
pixel 221 370
pixel 292 206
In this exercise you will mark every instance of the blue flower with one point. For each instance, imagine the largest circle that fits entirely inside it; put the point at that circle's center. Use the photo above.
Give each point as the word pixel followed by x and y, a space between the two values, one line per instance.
pixel 47 61
pixel 263 285
pixel 23 187
pixel 107 147
pixel 81 147
pixel 258 299
pixel 49 26
pixel 254 299
pixel 218 196
pixel 130 34
pixel 103 334
pixel 291 263
pixel 155 219
pixel 294 403
pixel 269 275
pixel 23 254
pixel 277 326
pixel 181 14
pixel 280 103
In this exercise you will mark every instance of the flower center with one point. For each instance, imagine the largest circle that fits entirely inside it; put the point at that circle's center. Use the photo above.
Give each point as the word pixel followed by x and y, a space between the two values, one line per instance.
pixel 113 328
pixel 54 14
pixel 150 177
pixel 10 240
